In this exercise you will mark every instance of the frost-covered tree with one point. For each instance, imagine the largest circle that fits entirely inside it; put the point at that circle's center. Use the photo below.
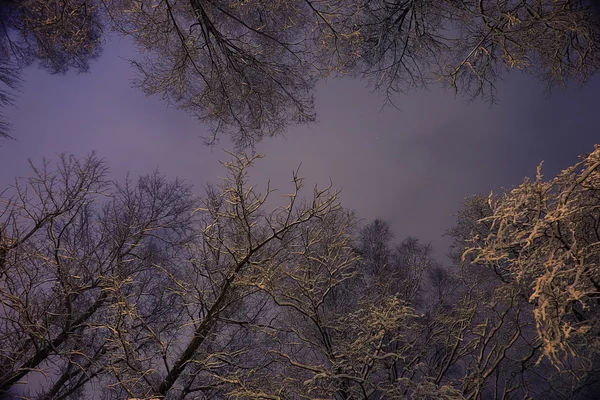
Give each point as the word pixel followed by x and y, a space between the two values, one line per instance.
pixel 140 290
pixel 249 68
pixel 544 236
pixel 76 249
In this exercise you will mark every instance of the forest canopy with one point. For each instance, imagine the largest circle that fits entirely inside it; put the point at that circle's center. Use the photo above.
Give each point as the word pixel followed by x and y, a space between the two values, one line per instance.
pixel 141 290
pixel 248 68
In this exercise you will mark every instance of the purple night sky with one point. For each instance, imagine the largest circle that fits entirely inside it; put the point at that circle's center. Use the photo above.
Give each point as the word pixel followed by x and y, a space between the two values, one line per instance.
pixel 411 166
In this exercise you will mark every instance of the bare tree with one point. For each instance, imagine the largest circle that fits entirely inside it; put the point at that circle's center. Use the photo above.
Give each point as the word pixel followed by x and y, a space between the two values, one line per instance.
pixel 245 68
pixel 212 346
pixel 66 261
pixel 136 289
pixel 248 69
pixel 139 290
pixel 558 42
pixel 345 328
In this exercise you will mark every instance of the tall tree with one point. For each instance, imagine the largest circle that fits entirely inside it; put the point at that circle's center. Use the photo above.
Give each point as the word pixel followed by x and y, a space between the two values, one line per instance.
pixel 139 290
pixel 544 235
pixel 71 258
pixel 239 246
pixel 249 68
